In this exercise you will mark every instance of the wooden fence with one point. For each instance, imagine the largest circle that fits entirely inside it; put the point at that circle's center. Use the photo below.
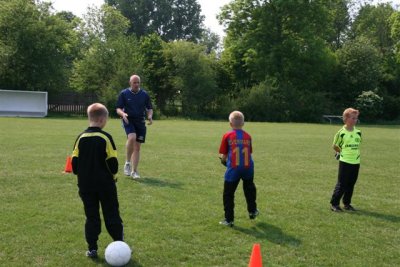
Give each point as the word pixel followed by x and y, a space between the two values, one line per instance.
pixel 70 103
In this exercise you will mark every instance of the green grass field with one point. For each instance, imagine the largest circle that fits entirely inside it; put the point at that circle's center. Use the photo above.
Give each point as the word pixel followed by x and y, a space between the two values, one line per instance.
pixel 171 216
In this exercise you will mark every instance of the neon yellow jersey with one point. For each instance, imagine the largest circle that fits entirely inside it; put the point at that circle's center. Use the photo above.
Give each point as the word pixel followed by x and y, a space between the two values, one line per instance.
pixel 349 143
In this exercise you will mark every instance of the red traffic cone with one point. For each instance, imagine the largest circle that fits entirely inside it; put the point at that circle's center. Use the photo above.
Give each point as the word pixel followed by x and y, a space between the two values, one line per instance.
pixel 255 258
pixel 68 165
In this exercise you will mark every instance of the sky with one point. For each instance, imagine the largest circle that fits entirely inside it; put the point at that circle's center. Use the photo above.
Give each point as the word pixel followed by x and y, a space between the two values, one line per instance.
pixel 210 8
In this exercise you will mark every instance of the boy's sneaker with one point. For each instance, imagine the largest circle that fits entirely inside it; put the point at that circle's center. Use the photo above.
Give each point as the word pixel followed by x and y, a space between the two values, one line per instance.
pixel 336 208
pixel 127 168
pixel 135 175
pixel 253 215
pixel 226 223
pixel 349 208
pixel 91 254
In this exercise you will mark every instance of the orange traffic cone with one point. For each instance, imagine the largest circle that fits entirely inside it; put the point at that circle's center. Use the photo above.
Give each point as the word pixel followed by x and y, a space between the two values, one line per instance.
pixel 68 165
pixel 255 258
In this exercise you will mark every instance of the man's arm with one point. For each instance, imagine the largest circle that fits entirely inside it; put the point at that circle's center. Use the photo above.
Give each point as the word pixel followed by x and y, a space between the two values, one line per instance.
pixel 123 115
pixel 150 116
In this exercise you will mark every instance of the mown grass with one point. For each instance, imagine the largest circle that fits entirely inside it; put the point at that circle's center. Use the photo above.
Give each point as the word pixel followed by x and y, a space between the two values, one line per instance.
pixel 171 216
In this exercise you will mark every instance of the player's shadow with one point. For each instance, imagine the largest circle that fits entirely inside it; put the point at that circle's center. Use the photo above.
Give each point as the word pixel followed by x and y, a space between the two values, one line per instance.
pixel 160 182
pixel 271 233
pixel 386 217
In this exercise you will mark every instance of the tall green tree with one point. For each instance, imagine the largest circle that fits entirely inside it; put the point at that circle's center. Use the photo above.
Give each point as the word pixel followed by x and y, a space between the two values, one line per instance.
pixel 171 19
pixel 110 57
pixel 339 12
pixel 192 77
pixel 211 40
pixel 373 23
pixel 391 98
pixel 395 32
pixel 155 76
pixel 36 46
pixel 237 17
pixel 359 70
pixel 395 35
pixel 280 41
pixel 140 13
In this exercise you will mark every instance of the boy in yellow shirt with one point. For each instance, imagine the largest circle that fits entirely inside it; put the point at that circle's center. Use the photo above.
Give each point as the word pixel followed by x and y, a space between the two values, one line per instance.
pixel 346 143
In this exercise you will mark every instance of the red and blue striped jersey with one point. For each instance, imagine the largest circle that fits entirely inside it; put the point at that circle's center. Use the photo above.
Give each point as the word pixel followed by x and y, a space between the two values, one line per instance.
pixel 237 145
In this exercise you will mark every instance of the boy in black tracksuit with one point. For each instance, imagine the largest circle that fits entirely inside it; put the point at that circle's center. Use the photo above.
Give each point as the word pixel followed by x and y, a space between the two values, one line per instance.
pixel 94 161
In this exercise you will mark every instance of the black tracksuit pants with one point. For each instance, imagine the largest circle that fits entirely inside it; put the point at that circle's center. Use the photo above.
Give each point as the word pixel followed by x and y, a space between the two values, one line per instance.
pixel 109 204
pixel 250 193
pixel 347 178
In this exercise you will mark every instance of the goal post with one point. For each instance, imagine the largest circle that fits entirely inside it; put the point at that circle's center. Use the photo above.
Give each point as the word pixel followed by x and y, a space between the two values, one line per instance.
pixel 15 103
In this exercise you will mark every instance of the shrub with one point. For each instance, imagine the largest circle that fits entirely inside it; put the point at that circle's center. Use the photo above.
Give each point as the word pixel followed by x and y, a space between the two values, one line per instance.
pixel 370 105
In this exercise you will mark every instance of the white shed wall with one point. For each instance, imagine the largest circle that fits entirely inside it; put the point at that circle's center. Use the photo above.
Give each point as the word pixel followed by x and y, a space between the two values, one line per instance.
pixel 15 103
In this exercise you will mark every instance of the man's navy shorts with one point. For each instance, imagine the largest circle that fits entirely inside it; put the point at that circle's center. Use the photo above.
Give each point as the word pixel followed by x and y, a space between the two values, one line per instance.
pixel 138 127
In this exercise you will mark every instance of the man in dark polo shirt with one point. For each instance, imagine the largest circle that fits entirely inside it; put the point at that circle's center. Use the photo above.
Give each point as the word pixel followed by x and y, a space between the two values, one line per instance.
pixel 133 105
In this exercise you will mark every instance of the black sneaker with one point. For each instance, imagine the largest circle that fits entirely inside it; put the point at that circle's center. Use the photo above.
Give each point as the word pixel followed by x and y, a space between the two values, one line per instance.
pixel 91 254
pixel 226 223
pixel 253 215
pixel 349 208
pixel 336 208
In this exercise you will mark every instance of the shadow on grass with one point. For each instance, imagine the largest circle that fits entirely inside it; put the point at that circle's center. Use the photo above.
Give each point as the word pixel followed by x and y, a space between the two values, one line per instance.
pixel 271 233
pixel 386 217
pixel 131 263
pixel 159 182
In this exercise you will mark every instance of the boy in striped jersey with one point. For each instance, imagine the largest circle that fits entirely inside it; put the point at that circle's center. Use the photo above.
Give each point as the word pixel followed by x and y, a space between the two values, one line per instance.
pixel 235 153
pixel 346 144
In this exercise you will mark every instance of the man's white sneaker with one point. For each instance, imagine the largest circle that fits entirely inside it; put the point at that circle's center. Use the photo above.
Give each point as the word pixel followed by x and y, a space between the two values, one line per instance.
pixel 127 168
pixel 135 175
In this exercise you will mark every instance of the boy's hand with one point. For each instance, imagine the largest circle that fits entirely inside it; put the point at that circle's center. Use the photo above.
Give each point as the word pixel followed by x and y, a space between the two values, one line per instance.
pixel 223 161
pixel 337 155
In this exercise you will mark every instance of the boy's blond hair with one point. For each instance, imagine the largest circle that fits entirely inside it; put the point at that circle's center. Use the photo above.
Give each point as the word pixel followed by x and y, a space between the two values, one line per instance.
pixel 96 112
pixel 236 118
pixel 348 112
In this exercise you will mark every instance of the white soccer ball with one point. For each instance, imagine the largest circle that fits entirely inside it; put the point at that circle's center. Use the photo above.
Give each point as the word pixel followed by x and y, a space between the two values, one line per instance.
pixel 118 253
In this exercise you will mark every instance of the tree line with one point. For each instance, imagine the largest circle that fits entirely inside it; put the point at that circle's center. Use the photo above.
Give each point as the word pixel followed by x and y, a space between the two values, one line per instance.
pixel 280 60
